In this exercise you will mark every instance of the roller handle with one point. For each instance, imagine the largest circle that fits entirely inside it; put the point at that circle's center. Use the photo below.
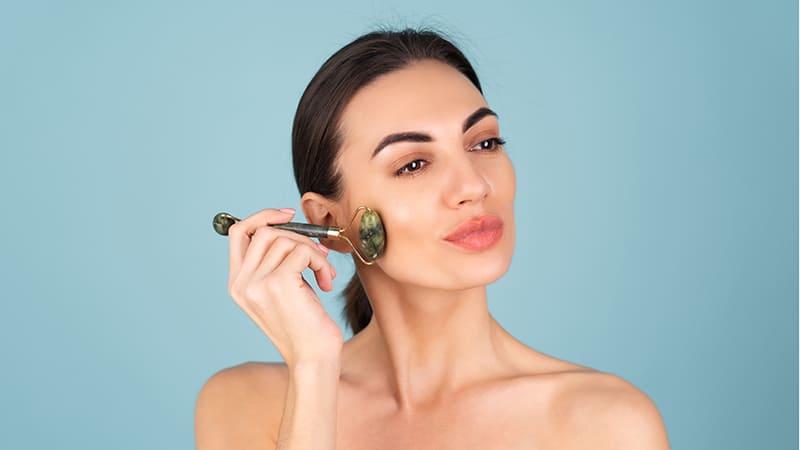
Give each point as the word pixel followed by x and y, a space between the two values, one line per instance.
pixel 223 221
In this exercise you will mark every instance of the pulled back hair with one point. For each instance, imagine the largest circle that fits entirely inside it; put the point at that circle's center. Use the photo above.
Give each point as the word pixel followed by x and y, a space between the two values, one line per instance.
pixel 316 135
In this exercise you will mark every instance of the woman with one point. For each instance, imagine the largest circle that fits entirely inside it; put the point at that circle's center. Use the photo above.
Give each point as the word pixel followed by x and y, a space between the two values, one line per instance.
pixel 396 120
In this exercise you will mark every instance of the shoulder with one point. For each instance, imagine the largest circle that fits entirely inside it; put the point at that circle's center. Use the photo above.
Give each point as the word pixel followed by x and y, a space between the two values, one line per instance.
pixel 601 410
pixel 246 378
pixel 240 405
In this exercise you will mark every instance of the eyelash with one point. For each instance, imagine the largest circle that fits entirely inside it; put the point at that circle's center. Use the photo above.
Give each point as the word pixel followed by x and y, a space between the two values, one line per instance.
pixel 498 141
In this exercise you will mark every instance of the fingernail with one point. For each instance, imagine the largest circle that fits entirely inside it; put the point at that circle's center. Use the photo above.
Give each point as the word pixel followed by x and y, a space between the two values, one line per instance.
pixel 287 210
pixel 323 248
pixel 334 271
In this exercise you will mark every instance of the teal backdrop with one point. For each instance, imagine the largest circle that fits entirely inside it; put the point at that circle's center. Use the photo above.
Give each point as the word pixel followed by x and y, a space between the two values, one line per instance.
pixel 656 148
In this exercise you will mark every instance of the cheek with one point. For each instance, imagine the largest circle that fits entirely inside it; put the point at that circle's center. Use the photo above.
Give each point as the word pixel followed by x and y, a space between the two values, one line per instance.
pixel 411 228
pixel 505 179
pixel 404 221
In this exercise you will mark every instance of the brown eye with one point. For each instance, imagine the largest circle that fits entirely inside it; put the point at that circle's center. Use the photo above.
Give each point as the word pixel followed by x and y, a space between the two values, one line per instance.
pixel 490 144
pixel 411 167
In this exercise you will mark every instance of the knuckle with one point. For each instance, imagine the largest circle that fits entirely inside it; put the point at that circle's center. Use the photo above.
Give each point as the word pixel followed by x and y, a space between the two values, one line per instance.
pixel 282 240
pixel 315 246
pixel 235 290
pixel 261 232
pixel 305 250
pixel 245 292
pixel 236 229
pixel 285 243
pixel 252 294
pixel 307 240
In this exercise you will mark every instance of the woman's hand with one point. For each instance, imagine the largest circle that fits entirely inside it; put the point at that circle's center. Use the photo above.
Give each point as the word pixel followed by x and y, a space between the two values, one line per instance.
pixel 266 281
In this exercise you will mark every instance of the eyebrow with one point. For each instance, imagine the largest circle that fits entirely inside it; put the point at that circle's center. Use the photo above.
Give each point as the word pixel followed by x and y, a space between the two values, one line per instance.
pixel 415 136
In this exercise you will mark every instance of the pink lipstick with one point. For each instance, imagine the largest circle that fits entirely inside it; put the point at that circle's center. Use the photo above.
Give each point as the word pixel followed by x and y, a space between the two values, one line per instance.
pixel 478 233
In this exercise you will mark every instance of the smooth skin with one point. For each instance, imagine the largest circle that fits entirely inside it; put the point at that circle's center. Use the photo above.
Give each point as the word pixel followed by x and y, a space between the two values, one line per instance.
pixel 433 369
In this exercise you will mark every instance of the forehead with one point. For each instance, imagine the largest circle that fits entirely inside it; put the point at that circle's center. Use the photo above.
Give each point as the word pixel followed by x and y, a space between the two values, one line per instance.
pixel 424 96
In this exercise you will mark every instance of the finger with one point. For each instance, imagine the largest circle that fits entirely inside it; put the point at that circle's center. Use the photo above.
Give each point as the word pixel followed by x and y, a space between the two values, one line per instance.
pixel 239 235
pixel 280 249
pixel 304 256
pixel 262 256
pixel 317 261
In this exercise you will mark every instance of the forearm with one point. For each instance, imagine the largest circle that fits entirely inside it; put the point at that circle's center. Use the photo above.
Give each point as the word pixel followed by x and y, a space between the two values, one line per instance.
pixel 309 414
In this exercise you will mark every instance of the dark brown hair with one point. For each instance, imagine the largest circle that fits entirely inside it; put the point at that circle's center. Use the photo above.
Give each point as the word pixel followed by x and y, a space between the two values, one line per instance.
pixel 316 137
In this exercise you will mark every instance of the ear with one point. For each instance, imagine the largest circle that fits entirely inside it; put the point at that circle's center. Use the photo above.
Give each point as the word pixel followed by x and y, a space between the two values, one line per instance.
pixel 320 210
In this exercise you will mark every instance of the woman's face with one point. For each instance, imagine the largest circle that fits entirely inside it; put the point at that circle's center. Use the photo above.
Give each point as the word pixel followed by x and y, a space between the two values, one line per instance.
pixel 425 188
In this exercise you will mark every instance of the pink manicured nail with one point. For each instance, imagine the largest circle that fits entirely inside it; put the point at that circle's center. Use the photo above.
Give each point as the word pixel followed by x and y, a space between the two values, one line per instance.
pixel 287 210
pixel 323 248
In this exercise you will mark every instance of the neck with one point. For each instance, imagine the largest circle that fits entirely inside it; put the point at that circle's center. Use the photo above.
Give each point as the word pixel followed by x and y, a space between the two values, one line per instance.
pixel 423 345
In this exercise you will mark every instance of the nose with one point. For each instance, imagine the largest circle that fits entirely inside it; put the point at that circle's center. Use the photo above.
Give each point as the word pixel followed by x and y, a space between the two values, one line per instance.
pixel 468 184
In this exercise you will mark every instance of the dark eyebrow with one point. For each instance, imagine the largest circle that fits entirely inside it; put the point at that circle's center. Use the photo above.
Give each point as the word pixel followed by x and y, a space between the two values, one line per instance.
pixel 475 117
pixel 414 136
pixel 409 136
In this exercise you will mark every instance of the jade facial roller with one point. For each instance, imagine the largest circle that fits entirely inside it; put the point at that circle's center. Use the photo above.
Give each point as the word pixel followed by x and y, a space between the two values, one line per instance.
pixel 371 235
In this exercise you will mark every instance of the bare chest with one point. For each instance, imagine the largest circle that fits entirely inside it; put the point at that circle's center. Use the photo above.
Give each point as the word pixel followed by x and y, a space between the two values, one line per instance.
pixel 508 417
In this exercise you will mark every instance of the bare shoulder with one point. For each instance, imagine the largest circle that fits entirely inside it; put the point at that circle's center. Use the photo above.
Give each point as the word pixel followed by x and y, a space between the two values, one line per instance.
pixel 240 406
pixel 601 410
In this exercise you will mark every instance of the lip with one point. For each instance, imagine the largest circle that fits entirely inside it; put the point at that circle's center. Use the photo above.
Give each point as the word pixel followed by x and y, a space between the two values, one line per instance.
pixel 477 233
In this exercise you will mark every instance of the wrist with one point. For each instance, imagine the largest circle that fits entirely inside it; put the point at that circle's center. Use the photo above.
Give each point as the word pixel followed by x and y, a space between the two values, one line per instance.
pixel 315 368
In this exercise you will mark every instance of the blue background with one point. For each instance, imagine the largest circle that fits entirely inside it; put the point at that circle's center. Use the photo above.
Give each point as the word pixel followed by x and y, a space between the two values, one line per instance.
pixel 656 148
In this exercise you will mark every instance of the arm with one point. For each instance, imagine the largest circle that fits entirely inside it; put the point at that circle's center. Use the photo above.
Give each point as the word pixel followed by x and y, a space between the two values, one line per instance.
pixel 309 415
pixel 266 282
pixel 243 407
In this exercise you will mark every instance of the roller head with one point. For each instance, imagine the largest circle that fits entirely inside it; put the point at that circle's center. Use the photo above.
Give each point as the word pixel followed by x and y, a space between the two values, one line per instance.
pixel 222 222
pixel 371 234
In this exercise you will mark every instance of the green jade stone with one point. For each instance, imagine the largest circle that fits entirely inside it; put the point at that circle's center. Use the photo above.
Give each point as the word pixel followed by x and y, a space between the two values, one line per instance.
pixel 371 235
pixel 222 222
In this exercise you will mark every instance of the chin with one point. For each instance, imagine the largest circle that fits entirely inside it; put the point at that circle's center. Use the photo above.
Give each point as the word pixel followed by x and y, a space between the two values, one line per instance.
pixel 469 270
pixel 483 271
pixel 483 267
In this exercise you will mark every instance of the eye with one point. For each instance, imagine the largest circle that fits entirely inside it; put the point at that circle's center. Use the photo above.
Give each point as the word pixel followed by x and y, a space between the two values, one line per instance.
pixel 410 168
pixel 490 144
